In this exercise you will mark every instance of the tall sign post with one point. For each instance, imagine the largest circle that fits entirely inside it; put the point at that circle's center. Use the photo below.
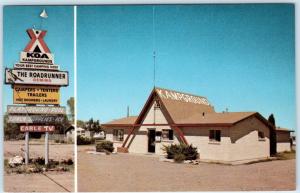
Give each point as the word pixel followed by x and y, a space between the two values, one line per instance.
pixel 36 80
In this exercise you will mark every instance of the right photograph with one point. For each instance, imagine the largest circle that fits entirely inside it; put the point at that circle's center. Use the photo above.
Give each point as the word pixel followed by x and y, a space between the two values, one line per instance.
pixel 197 97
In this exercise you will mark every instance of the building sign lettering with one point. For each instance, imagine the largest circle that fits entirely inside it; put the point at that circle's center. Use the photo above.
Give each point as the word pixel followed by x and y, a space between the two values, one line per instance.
pixel 165 94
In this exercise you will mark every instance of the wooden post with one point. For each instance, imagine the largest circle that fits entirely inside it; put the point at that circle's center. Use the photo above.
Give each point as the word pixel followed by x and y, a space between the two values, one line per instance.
pixel 46 148
pixel 26 147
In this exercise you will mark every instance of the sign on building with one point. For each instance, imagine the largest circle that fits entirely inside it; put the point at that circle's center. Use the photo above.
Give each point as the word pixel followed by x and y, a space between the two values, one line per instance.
pixel 37 128
pixel 16 109
pixel 172 95
pixel 36 77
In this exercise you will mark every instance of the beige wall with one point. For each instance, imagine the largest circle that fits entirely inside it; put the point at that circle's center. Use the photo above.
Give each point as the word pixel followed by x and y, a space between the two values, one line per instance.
pixel 109 136
pixel 239 142
pixel 283 141
pixel 283 146
pixel 245 143
pixel 208 150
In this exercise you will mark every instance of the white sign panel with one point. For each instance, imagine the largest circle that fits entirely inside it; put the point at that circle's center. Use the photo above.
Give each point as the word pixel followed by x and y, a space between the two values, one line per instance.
pixel 166 94
pixel 16 109
pixel 37 66
pixel 36 77
pixel 35 119
pixel 37 58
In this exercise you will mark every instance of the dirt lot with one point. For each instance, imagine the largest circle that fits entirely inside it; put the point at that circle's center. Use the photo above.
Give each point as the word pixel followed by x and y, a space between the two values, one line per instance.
pixel 52 181
pixel 128 172
pixel 36 149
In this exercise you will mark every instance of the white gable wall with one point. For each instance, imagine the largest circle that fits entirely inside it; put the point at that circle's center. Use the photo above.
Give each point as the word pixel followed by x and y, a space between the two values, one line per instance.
pixel 140 142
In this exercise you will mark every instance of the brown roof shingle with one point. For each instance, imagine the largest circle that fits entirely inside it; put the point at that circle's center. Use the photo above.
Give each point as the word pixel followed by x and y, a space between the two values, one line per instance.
pixel 184 108
pixel 123 121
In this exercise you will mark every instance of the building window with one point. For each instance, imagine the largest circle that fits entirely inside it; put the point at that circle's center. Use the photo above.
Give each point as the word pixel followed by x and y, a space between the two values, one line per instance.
pixel 156 105
pixel 118 134
pixel 215 135
pixel 261 135
pixel 167 134
pixel 158 136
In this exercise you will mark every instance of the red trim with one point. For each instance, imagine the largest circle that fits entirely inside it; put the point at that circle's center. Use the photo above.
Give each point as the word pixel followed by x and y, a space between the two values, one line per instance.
pixel 171 125
pixel 129 134
pixel 33 39
pixel 145 107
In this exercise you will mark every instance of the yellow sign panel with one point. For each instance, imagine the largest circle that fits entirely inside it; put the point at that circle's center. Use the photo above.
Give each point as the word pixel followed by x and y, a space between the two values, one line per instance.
pixel 24 94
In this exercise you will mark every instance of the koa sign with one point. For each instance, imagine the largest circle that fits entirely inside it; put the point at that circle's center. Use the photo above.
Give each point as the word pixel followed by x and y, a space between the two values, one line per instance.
pixel 20 76
pixel 37 66
pixel 16 109
pixel 37 58
pixel 25 94
pixel 37 128
pixel 35 119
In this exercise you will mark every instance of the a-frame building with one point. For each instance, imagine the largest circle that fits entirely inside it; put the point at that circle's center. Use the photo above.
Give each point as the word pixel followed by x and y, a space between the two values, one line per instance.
pixel 174 117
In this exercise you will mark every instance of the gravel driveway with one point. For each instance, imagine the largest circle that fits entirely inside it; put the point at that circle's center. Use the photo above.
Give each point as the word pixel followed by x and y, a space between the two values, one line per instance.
pixel 129 172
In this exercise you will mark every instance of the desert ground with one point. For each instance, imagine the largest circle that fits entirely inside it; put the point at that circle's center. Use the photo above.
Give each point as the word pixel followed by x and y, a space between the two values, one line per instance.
pixel 132 172
pixel 47 182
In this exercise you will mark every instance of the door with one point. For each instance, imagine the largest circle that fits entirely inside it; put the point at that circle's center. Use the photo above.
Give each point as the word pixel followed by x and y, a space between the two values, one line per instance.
pixel 151 140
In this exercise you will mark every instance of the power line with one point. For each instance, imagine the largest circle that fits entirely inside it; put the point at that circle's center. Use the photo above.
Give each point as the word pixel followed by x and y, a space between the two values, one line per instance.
pixel 153 45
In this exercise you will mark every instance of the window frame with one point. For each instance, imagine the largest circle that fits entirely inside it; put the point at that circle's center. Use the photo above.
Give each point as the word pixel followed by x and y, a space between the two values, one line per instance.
pixel 116 137
pixel 170 135
pixel 261 137
pixel 214 137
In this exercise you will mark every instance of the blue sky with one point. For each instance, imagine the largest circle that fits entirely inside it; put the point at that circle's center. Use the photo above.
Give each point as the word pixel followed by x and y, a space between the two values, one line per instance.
pixel 241 57
pixel 59 38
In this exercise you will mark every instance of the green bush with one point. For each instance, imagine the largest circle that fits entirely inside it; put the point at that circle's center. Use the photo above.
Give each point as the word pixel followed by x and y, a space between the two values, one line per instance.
pixel 81 140
pixel 179 158
pixel 189 152
pixel 105 146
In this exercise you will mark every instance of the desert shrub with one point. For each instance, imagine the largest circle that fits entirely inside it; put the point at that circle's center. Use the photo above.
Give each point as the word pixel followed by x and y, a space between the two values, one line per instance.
pixel 81 140
pixel 179 158
pixel 105 146
pixel 39 160
pixel 67 162
pixel 189 152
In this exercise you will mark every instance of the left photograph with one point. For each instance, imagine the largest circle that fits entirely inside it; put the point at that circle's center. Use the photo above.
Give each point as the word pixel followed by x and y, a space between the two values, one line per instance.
pixel 38 98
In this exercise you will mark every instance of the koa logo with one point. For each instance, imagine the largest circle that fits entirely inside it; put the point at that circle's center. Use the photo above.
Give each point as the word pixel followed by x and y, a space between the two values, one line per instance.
pixel 36 55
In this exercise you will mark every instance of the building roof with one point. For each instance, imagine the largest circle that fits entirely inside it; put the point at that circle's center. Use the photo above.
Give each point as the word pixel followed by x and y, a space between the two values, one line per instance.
pixel 283 129
pixel 125 120
pixel 185 109
pixel 217 118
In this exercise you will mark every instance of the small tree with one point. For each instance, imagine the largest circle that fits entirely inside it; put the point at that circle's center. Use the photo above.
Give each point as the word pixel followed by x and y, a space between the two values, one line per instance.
pixel 70 103
pixel 271 119
pixel 80 124
pixel 273 138
pixel 92 125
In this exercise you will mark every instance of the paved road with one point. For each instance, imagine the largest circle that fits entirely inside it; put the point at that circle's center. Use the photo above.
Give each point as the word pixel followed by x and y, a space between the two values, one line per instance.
pixel 127 172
